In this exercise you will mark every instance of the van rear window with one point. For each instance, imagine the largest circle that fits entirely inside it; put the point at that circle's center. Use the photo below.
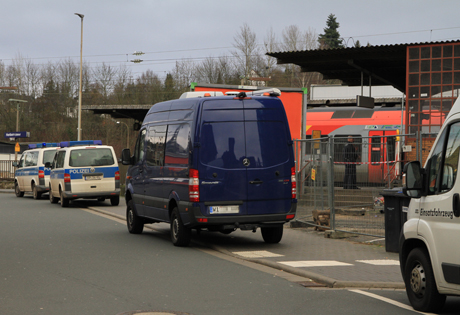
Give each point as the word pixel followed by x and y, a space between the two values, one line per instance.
pixel 91 157
pixel 226 144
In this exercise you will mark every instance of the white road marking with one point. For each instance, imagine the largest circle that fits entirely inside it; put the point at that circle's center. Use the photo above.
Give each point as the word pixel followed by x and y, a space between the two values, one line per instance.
pixel 257 254
pixel 315 263
pixel 387 300
pixel 381 262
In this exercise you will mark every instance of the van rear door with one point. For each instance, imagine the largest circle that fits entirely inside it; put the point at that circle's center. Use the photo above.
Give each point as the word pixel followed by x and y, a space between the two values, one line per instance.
pixel 244 155
pixel 269 151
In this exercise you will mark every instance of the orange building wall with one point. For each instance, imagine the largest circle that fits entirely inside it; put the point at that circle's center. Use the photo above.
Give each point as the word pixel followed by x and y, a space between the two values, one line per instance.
pixel 292 102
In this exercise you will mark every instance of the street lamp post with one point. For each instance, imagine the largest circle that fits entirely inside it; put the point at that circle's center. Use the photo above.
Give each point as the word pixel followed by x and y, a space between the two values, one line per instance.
pixel 81 74
pixel 17 119
pixel 127 133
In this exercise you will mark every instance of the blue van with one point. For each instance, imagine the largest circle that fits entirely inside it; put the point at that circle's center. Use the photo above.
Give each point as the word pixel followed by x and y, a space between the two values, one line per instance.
pixel 213 162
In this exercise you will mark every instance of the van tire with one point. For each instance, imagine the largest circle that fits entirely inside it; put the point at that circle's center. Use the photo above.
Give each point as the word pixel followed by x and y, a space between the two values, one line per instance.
pixel 64 201
pixel 53 199
pixel 36 194
pixel 133 221
pixel 272 235
pixel 17 191
pixel 180 234
pixel 420 283
pixel 115 201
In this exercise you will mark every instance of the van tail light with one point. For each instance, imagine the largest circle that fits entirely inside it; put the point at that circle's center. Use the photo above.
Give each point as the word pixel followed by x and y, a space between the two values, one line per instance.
pixel 117 175
pixel 293 183
pixel 41 174
pixel 194 186
pixel 66 178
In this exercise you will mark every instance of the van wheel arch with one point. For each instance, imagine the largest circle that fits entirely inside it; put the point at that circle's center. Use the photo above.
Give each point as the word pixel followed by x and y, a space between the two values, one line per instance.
pixel 407 247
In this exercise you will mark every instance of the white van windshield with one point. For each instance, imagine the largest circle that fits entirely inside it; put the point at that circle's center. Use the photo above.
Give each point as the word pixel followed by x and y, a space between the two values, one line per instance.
pixel 91 157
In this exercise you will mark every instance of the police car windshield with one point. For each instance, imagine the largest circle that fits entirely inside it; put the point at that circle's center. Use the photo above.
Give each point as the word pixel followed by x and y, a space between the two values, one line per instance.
pixel 48 156
pixel 91 157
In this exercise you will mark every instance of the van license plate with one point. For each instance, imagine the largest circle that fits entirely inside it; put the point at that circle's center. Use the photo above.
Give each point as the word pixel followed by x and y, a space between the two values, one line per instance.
pixel 224 209
pixel 98 177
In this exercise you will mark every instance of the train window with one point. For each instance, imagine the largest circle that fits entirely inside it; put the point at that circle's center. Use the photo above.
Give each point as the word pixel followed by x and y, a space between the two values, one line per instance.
pixel 376 144
pixel 391 149
pixel 340 141
pixel 366 113
pixel 342 114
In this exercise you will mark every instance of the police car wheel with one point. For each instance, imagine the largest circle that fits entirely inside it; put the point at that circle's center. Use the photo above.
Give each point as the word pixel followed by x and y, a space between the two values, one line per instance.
pixel 53 199
pixel 272 235
pixel 115 201
pixel 17 191
pixel 64 201
pixel 180 234
pixel 420 283
pixel 135 223
pixel 37 195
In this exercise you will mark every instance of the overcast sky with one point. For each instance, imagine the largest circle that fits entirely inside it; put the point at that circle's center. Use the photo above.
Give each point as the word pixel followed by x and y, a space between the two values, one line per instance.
pixel 169 30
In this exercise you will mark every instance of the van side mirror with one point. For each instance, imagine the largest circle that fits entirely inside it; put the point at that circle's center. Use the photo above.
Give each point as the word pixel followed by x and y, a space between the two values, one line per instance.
pixel 414 178
pixel 126 157
pixel 137 126
pixel 15 164
pixel 48 164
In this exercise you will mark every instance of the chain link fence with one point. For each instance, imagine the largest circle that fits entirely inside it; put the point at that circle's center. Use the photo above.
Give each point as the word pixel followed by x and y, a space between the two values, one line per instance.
pixel 328 199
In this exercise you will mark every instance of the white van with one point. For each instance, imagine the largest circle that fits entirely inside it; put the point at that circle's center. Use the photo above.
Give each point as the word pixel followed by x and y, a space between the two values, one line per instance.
pixel 429 252
pixel 84 169
pixel 33 169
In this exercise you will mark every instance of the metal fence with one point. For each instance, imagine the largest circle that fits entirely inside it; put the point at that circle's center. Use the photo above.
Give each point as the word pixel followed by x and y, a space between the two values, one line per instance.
pixel 323 199
pixel 6 170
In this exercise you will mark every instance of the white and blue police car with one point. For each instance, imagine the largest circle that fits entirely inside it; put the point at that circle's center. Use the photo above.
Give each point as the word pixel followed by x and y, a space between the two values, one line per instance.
pixel 33 169
pixel 84 169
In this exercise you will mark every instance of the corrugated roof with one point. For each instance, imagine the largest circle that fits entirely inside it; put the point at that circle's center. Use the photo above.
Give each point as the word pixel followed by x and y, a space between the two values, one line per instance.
pixel 386 64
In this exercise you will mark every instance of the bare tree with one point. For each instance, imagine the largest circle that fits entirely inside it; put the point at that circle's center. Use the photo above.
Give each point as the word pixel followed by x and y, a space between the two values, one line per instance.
pixel 247 51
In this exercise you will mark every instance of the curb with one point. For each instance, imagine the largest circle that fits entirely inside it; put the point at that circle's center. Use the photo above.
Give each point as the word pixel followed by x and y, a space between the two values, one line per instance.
pixel 328 282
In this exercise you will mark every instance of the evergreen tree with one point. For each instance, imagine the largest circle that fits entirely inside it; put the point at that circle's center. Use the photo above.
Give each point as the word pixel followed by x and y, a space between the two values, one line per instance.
pixel 331 36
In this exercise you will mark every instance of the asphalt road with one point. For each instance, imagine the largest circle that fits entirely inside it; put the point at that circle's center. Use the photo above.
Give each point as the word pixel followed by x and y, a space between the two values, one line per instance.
pixel 72 261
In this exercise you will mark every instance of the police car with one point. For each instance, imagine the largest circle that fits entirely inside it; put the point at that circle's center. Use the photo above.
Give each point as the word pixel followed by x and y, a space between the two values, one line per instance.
pixel 84 169
pixel 33 169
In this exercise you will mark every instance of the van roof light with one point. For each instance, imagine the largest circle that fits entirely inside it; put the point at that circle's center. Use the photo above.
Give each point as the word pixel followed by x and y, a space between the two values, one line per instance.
pixel 201 94
pixel 271 92
pixel 66 144
pixel 43 145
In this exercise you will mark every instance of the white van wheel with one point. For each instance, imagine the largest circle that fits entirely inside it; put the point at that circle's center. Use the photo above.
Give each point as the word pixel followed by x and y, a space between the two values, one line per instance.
pixel 272 235
pixel 17 191
pixel 420 283
pixel 37 195
pixel 115 201
pixel 53 199
pixel 180 234
pixel 64 201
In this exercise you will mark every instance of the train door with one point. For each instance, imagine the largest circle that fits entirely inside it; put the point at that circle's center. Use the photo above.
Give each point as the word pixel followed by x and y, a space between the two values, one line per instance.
pixel 381 156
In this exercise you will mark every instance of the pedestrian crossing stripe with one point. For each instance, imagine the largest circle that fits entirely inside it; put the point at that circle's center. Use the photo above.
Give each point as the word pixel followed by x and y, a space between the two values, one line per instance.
pixel 257 254
pixel 381 262
pixel 315 263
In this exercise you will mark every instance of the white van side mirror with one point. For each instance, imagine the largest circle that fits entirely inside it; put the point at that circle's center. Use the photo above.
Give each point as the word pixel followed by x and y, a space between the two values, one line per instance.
pixel 414 179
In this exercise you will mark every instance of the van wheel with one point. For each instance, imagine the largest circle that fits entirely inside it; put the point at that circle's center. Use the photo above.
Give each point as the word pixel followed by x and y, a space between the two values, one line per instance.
pixel 37 195
pixel 64 201
pixel 180 234
pixel 115 201
pixel 420 283
pixel 17 191
pixel 53 199
pixel 272 235
pixel 134 222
